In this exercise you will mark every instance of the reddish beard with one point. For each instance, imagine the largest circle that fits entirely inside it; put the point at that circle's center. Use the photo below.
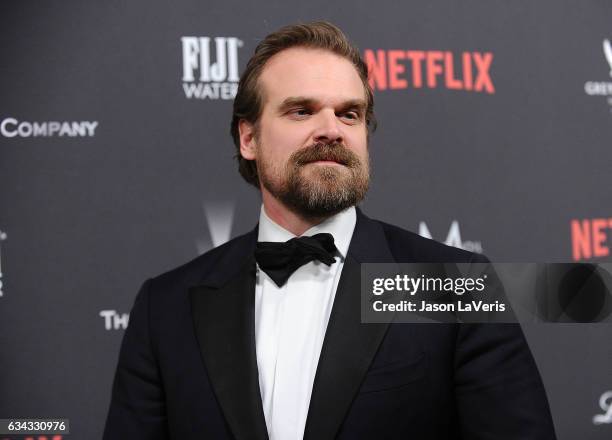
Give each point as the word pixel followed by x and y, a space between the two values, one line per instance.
pixel 320 190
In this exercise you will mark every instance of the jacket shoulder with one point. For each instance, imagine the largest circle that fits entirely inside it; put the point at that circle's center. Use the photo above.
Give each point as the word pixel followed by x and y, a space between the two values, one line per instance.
pixel 227 255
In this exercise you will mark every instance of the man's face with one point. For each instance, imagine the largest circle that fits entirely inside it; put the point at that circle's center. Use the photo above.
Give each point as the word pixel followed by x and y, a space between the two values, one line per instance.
pixel 311 141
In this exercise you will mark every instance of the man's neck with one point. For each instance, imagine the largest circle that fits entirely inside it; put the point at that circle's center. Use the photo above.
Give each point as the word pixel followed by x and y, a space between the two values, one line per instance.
pixel 284 217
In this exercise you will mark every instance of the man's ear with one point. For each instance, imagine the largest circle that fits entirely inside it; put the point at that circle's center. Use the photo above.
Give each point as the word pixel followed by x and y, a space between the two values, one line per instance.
pixel 248 146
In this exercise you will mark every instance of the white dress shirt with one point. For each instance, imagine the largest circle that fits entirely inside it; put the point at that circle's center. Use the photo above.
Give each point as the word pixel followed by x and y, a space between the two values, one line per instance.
pixel 290 324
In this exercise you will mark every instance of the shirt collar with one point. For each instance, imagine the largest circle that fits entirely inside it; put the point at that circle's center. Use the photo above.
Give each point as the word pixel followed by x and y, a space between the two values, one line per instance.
pixel 341 226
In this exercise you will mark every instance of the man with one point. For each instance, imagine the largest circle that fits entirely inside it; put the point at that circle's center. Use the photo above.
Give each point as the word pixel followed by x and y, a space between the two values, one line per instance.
pixel 262 339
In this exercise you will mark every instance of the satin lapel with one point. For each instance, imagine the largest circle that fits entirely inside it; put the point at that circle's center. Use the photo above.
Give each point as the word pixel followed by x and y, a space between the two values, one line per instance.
pixel 349 345
pixel 225 328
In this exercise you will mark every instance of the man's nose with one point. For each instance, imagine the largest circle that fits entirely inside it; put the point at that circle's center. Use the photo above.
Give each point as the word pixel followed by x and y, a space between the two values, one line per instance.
pixel 328 129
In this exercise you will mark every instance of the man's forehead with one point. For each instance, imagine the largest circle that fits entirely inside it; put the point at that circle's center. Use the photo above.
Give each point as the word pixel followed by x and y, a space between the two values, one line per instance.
pixel 316 74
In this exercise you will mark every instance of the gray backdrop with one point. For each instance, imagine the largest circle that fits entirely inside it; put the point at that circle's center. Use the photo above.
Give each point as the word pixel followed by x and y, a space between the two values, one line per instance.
pixel 110 173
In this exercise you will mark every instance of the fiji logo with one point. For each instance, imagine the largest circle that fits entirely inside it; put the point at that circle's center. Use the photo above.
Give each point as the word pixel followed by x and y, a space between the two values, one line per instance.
pixel 210 67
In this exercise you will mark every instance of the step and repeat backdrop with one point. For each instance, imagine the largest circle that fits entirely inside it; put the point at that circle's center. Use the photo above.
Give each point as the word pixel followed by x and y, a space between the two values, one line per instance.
pixel 116 164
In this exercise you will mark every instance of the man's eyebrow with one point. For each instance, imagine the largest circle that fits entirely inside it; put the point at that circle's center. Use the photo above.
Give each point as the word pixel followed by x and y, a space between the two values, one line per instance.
pixel 356 104
pixel 302 101
pixel 295 101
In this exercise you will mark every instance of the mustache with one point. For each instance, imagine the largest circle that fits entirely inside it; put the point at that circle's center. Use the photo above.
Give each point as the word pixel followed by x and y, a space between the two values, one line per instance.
pixel 335 152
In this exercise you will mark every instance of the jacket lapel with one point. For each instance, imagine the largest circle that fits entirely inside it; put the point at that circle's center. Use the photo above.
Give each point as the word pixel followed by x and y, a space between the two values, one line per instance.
pixel 349 345
pixel 223 311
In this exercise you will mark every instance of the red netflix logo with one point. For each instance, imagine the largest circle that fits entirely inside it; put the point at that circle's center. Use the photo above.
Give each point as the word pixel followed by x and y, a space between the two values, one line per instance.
pixel 40 437
pixel 44 437
pixel 589 238
pixel 401 69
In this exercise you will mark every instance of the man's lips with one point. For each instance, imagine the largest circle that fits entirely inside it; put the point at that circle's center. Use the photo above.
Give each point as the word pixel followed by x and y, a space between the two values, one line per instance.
pixel 325 161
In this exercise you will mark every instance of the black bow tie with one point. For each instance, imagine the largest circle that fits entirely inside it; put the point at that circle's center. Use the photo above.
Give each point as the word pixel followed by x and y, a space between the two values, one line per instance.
pixel 280 260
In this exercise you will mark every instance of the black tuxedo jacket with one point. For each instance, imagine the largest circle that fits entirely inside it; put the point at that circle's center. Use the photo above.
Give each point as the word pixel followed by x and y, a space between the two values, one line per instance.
pixel 188 369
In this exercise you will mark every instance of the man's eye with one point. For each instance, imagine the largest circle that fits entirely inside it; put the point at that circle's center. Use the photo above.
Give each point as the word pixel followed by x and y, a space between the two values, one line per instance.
pixel 300 112
pixel 352 115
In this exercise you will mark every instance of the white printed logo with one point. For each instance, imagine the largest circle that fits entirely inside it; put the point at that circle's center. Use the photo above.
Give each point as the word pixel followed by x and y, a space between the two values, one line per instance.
pixel 453 238
pixel 605 403
pixel 607 48
pixel 11 127
pixel 2 238
pixel 219 218
pixel 205 79
pixel 602 88
pixel 114 320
